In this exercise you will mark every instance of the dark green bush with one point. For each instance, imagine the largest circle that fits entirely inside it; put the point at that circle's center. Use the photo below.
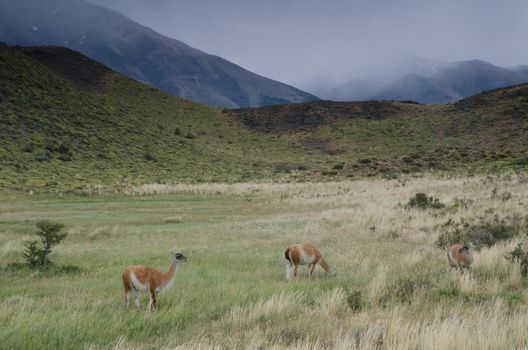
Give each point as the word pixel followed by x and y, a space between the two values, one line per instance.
pixel 43 156
pixel 521 161
pixel 29 148
pixel 485 232
pixel 421 201
pixel 518 255
pixel 50 235
pixel 354 300
pixel 150 156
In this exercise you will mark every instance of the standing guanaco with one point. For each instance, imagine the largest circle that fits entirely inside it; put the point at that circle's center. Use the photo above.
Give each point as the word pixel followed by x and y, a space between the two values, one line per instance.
pixel 146 279
pixel 304 254
pixel 460 256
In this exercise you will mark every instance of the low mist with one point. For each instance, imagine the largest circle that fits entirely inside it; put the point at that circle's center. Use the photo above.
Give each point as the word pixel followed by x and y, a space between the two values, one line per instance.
pixel 315 44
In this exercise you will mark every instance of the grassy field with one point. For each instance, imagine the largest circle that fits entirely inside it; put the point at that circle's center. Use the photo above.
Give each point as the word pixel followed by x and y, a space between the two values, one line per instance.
pixel 394 288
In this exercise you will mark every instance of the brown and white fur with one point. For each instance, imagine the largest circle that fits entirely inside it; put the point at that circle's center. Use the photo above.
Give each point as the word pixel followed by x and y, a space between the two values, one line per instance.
pixel 460 256
pixel 304 254
pixel 148 280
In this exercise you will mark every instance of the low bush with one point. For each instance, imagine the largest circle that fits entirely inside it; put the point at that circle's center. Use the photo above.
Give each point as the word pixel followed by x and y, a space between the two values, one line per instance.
pixel 421 201
pixel 354 300
pixel 484 232
pixel 404 289
pixel 150 156
pixel 518 255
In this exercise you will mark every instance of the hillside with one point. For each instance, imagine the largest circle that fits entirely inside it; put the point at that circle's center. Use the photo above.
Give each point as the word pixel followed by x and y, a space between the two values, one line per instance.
pixel 429 81
pixel 68 122
pixel 486 132
pixel 139 52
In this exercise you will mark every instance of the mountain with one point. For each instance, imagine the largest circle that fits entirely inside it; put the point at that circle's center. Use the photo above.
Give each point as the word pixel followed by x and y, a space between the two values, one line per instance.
pixel 139 52
pixel 429 81
pixel 418 88
pixel 68 123
pixel 522 69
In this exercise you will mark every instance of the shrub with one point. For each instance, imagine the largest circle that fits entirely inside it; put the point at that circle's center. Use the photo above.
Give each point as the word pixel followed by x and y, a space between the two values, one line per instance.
pixel 521 161
pixel 65 152
pixel 354 300
pixel 150 156
pixel 505 196
pixel 421 201
pixel 463 203
pixel 518 255
pixel 29 148
pixel 404 289
pixel 50 235
pixel 43 156
pixel 484 233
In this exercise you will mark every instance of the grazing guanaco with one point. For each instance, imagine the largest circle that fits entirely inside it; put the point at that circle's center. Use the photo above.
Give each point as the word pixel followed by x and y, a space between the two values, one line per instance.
pixel 146 279
pixel 460 256
pixel 304 254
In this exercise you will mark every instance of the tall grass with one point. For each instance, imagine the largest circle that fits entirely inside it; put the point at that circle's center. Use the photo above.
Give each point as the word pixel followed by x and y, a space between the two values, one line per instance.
pixel 232 293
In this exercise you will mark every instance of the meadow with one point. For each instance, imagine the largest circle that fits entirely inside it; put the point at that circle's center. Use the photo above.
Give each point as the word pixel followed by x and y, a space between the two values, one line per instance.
pixel 394 288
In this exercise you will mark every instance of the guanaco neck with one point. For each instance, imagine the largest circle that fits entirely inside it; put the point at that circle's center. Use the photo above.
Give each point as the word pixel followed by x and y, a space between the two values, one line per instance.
pixel 324 265
pixel 168 276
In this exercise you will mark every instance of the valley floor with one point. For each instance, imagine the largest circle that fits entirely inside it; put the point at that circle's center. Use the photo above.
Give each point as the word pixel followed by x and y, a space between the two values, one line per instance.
pixel 393 289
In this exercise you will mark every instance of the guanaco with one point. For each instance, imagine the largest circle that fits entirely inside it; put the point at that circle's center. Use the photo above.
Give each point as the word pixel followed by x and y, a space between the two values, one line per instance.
pixel 304 254
pixel 146 279
pixel 460 256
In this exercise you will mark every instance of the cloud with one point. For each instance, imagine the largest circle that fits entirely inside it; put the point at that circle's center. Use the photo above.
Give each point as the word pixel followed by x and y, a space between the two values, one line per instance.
pixel 309 42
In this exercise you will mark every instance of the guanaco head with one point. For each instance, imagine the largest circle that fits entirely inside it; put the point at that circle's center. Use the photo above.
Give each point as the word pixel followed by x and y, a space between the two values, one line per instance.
pixel 178 257
pixel 466 249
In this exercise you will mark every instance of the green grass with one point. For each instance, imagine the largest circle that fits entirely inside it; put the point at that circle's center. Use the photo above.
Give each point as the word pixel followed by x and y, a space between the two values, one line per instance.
pixel 233 293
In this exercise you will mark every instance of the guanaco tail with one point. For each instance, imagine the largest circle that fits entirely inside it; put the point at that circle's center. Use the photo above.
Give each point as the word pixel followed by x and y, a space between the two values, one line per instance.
pixel 148 280
pixel 304 254
pixel 460 256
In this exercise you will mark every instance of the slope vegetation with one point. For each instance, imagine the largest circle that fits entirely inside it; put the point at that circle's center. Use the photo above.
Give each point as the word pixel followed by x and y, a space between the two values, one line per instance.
pixel 67 122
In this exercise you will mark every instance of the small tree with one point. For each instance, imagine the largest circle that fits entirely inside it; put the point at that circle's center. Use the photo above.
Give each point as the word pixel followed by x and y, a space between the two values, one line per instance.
pixel 50 235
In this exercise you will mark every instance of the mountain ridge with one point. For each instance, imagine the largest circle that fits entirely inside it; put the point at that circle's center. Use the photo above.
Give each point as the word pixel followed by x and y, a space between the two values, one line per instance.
pixel 140 52
pixel 429 81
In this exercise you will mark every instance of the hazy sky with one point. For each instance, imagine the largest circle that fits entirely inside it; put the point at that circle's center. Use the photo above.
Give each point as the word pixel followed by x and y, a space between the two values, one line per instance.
pixel 304 42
